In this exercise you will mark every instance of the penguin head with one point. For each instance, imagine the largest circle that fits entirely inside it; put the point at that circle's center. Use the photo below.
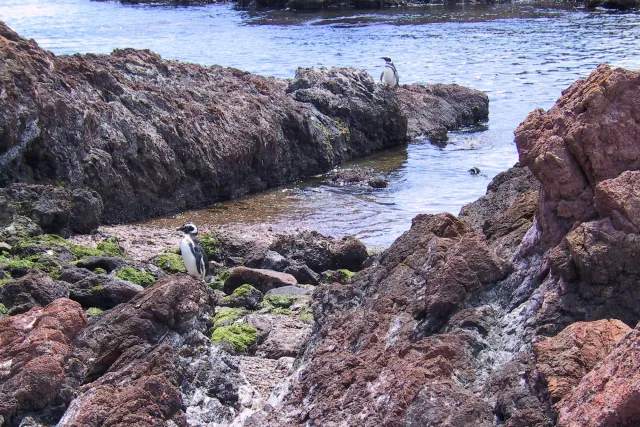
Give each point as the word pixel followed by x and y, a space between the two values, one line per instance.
pixel 189 228
pixel 386 59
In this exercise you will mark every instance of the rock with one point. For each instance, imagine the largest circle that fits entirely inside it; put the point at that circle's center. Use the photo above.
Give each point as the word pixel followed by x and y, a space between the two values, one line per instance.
pixel 617 198
pixel 124 366
pixel 303 273
pixel 280 336
pixel 609 394
pixel 268 131
pixel 55 210
pixel 564 359
pixel 309 247
pixel 356 176
pixel 349 253
pixel 105 262
pixel 570 152
pixel 266 259
pixel 433 110
pixel 505 213
pixel 244 296
pixel 612 4
pixel 378 182
pixel 34 289
pixel 294 291
pixel 19 228
pixel 73 274
pixel 263 280
pixel 102 291
pixel 34 347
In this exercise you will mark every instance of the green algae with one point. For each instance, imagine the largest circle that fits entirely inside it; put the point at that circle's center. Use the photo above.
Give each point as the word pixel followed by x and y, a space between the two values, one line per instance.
pixel 277 301
pixel 94 311
pixel 136 276
pixel 171 263
pixel 227 317
pixel 241 336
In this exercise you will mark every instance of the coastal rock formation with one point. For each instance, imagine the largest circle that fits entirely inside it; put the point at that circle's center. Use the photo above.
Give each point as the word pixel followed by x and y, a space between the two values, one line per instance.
pixel 152 137
pixel 33 290
pixel 34 348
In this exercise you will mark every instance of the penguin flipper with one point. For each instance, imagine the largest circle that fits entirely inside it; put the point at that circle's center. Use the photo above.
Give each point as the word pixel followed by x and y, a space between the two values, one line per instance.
pixel 381 76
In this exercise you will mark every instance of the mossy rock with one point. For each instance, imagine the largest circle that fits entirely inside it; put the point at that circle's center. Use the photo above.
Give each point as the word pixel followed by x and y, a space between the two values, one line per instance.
pixel 5 248
pixel 305 314
pixel 84 251
pixel 215 285
pixel 3 309
pixel 241 336
pixel 111 248
pixel 341 276
pixel 171 263
pixel 277 301
pixel 15 266
pixel 50 266
pixel 136 276
pixel 244 296
pixel 94 311
pixel 212 245
pixel 228 316
pixel 99 270
pixel 20 228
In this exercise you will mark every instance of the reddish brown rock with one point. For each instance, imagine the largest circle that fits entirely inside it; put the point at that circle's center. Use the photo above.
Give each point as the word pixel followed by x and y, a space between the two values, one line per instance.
pixel 589 136
pixel 263 280
pixel 123 366
pixel 505 213
pixel 34 347
pixel 349 253
pixel 564 359
pixel 619 199
pixel 609 395
pixel 374 361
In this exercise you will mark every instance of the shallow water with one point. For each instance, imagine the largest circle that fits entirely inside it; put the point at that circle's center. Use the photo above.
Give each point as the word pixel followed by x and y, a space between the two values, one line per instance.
pixel 522 56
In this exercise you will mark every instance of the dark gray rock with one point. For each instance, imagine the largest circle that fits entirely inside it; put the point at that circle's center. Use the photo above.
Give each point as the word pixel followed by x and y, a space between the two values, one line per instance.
pixel 105 262
pixel 86 211
pixel 18 228
pixel 31 290
pixel 102 291
pixel 263 280
pixel 245 296
pixel 349 253
pixel 303 273
pixel 74 274
pixel 308 247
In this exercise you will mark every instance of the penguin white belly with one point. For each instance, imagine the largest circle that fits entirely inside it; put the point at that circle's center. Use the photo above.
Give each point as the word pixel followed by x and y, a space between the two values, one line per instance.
pixel 388 76
pixel 188 258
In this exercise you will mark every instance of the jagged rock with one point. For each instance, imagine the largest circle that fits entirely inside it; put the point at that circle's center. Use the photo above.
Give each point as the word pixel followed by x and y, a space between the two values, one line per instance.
pixel 617 198
pixel 609 395
pixel 263 280
pixel 102 291
pixel 570 151
pixel 34 289
pixel 303 273
pixel 505 213
pixel 127 358
pixel 18 228
pixel 564 359
pixel 34 347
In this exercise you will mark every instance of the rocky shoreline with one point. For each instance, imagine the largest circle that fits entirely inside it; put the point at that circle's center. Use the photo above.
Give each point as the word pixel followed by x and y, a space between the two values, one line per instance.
pixel 521 311
pixel 152 137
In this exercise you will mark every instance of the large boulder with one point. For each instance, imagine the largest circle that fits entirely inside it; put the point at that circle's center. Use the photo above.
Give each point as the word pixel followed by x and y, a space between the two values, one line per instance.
pixel 103 291
pixel 262 280
pixel 137 129
pixel 34 348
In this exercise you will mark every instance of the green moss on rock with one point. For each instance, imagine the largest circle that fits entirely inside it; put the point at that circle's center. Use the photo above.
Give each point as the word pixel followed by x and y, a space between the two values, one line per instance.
pixel 305 315
pixel 282 311
pixel 94 311
pixel 277 301
pixel 135 276
pixel 82 251
pixel 216 286
pixel 227 317
pixel 111 248
pixel 3 309
pixel 241 337
pixel 171 263
pixel 14 263
pixel 99 270
pixel 97 288
pixel 211 244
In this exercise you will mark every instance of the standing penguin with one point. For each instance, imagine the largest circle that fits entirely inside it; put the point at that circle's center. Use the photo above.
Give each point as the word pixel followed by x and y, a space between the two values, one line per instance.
pixel 193 256
pixel 389 74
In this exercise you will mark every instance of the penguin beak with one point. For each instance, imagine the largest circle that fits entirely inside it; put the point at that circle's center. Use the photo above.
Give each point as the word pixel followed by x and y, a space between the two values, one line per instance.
pixel 180 229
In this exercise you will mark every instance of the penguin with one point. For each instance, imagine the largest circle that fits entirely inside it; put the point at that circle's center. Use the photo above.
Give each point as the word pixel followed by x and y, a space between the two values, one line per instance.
pixel 389 74
pixel 193 256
